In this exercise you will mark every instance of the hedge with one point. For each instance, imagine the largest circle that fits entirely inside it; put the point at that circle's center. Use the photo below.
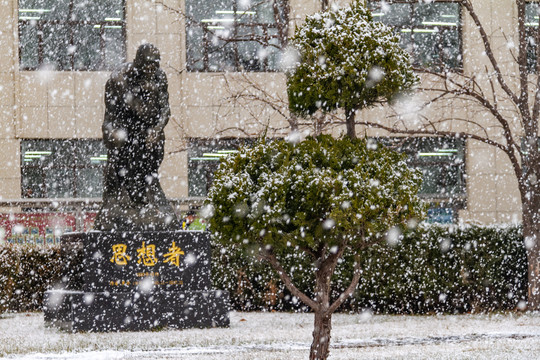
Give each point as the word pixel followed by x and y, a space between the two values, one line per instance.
pixel 433 269
pixel 26 271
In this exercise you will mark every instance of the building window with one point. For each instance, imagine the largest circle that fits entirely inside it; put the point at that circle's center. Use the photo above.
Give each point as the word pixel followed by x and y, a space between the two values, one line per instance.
pixel 532 11
pixel 203 160
pixel 442 162
pixel 235 35
pixel 71 34
pixel 430 31
pixel 62 168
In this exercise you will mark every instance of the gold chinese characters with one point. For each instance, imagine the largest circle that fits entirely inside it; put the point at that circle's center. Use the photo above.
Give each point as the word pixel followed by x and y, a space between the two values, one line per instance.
pixel 146 254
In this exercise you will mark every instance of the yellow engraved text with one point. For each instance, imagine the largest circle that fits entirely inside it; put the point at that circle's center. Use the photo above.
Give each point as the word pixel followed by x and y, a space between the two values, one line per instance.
pixel 173 256
pixel 119 254
pixel 147 254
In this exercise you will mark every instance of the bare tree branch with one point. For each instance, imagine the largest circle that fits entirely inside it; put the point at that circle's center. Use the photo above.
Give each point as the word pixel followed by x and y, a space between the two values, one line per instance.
pixel 489 52
pixel 357 274
pixel 274 262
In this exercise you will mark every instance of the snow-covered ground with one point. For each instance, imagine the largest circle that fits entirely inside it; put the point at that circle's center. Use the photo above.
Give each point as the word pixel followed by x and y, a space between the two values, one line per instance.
pixel 287 336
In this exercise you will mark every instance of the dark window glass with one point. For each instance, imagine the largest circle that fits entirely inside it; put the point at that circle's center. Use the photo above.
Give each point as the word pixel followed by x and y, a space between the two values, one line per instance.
pixel 62 168
pixel 71 34
pixel 442 162
pixel 532 11
pixel 429 31
pixel 204 157
pixel 231 35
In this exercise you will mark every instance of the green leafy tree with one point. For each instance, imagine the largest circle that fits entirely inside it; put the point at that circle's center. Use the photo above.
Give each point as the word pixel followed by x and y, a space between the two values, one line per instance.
pixel 324 197
pixel 347 61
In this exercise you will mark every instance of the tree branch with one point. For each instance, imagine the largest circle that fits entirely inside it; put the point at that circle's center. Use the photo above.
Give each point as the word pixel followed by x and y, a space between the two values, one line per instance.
pixel 274 262
pixel 350 289
pixel 489 52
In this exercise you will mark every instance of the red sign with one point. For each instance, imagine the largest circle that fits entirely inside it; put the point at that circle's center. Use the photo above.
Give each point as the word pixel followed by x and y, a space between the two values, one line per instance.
pixel 40 228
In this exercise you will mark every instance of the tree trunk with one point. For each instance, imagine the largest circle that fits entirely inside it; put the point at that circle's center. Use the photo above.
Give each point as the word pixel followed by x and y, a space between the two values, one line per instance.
pixel 350 115
pixel 320 347
pixel 531 236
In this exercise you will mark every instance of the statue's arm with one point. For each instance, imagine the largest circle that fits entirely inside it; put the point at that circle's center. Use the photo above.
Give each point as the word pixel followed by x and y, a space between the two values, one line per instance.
pixel 110 127
pixel 165 110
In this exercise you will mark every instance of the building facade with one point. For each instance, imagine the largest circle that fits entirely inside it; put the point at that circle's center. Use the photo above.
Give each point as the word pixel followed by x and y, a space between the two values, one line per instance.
pixel 224 59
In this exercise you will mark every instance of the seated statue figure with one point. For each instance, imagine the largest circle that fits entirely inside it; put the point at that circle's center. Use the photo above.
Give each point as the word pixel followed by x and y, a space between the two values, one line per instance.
pixel 136 112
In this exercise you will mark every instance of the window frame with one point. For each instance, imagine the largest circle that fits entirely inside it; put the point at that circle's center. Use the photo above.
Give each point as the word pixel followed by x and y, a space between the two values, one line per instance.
pixel 197 148
pixel 280 26
pixel 440 66
pixel 530 33
pixel 72 25
pixel 453 201
pixel 44 168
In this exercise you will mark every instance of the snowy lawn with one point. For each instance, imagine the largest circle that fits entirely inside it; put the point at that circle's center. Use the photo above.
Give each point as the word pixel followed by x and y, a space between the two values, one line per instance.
pixel 288 336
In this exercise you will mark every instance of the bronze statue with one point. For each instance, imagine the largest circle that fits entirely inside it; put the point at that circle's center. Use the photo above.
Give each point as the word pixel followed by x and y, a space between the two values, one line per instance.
pixel 136 112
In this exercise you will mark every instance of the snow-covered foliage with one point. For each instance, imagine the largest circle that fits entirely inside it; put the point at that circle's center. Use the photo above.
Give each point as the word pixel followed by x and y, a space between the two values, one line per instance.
pixel 323 197
pixel 26 271
pixel 320 192
pixel 347 61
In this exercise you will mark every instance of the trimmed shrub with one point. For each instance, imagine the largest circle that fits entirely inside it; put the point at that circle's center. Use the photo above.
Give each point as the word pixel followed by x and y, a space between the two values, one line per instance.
pixel 26 271
pixel 432 269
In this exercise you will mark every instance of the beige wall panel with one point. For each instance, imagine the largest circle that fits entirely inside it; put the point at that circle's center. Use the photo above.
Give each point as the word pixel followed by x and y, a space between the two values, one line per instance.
pixel 198 89
pixel 480 217
pixel 280 124
pixel 62 122
pixel 61 91
pixel 222 90
pixel 508 198
pixel 90 88
pixel 10 163
pixel 241 122
pixel 503 164
pixel 272 83
pixel 170 48
pixel 200 121
pixel 7 89
pixel 33 122
pixel 175 88
pixel 175 161
pixel 482 193
pixel 169 19
pixel 10 188
pixel 460 113
pixel 8 60
pixel 88 120
pixel 33 88
pixel 483 9
pixel 7 122
pixel 174 187
pixel 173 171
pixel 505 51
pixel 504 18
pixel 473 48
pixel 300 8
pixel 142 17
pixel 481 160
pixel 174 129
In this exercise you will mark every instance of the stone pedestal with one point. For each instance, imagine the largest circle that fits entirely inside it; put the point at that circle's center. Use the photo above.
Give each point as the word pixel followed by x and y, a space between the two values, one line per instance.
pixel 136 281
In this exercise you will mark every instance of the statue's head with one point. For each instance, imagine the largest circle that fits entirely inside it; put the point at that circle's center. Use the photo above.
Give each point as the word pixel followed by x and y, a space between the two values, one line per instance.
pixel 147 59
